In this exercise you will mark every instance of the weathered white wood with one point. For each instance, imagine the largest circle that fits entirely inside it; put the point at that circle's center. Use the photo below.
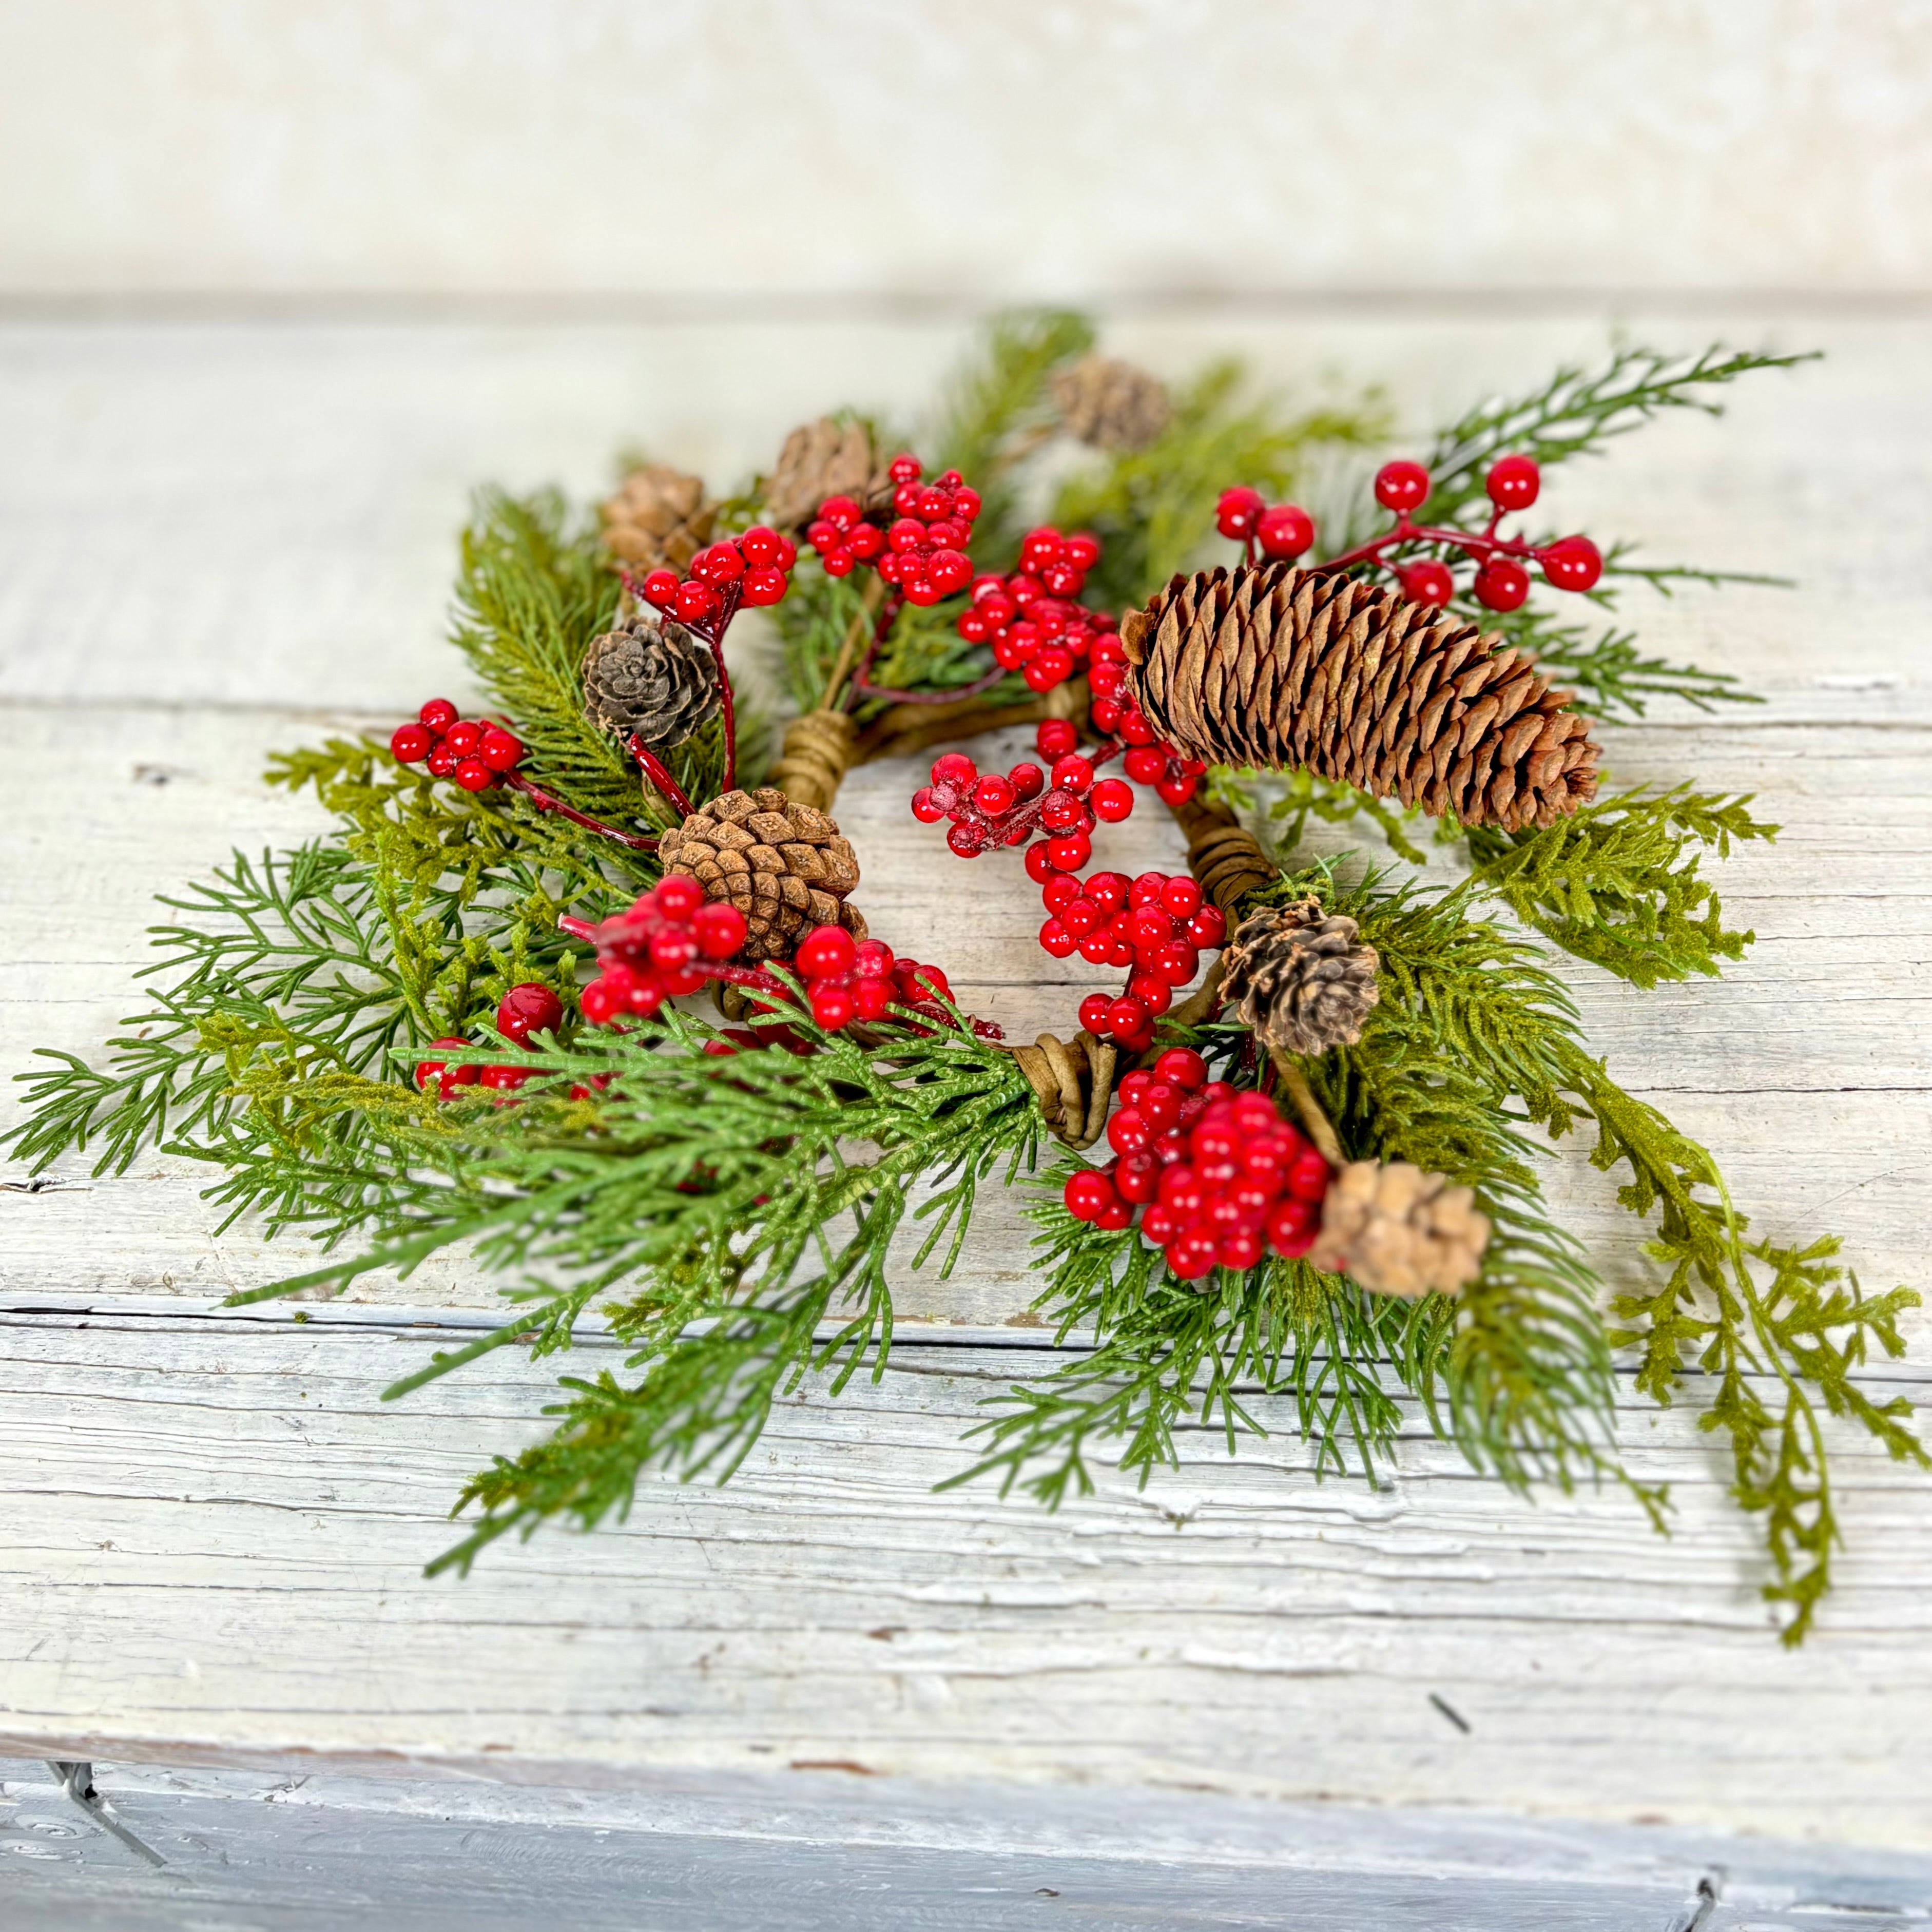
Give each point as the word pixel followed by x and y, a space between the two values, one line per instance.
pixel 850 1853
pixel 211 537
pixel 204 1520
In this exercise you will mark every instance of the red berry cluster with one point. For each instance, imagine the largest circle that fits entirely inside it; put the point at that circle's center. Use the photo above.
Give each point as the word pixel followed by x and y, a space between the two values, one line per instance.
pixel 530 1008
pixel 1157 926
pixel 1501 583
pixel 847 980
pixel 1029 617
pixel 922 554
pixel 1147 761
pixel 990 811
pixel 1220 1177
pixel 750 568
pixel 1278 530
pixel 475 752
pixel 670 942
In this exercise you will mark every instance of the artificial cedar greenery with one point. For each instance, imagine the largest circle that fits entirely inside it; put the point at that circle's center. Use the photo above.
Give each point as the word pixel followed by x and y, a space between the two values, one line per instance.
pixel 296 990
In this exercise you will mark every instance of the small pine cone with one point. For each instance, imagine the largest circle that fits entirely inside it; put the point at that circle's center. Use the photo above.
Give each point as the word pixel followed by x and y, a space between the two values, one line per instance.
pixel 785 865
pixel 1303 980
pixel 1277 667
pixel 1399 1230
pixel 651 677
pixel 824 459
pixel 658 519
pixel 1112 405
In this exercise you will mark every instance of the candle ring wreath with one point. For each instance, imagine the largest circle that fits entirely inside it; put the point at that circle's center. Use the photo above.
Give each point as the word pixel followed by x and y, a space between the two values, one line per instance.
pixel 1287 1144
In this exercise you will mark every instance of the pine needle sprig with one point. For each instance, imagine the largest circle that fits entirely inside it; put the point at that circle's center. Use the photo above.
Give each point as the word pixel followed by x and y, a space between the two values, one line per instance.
pixel 1577 412
pixel 1611 680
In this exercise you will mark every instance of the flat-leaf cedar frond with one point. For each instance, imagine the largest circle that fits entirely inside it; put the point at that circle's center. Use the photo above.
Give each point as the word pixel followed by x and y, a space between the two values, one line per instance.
pixel 1617 882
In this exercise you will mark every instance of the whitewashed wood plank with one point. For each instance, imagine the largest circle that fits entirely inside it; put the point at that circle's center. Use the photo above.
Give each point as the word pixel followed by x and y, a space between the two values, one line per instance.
pixel 197 1514
pixel 266 514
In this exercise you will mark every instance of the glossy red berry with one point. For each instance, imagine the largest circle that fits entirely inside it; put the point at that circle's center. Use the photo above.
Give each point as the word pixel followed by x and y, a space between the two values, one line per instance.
pixel 994 795
pixel 1087 1191
pixel 905 468
pixel 437 716
pixel 1072 773
pixel 954 768
pixel 1428 582
pixel 1112 800
pixel 967 841
pixel 1068 853
pixel 531 1008
pixel 441 761
pixel 1028 781
pixel 501 751
pixel 825 951
pixel 1401 485
pixel 1513 482
pixel 763 587
pixel 1238 511
pixel 462 739
pixel 410 743
pixel 1125 1015
pixel 693 602
pixel 760 546
pixel 1285 530
pixel 1192 1254
pixel 718 564
pixel 1574 563
pixel 1176 788
pixel 1057 939
pixel 473 775
pixel 678 895
pixel 430 1074
pixel 660 587
pixel 1208 928
pixel 1039 867
pixel 719 929
pixel 1096 1010
pixel 833 1006
pixel 1181 1066
pixel 1501 584
pixel 926 808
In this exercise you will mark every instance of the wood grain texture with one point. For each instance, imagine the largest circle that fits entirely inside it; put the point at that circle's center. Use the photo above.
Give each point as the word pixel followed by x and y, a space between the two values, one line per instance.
pixel 213 1530
pixel 836 1853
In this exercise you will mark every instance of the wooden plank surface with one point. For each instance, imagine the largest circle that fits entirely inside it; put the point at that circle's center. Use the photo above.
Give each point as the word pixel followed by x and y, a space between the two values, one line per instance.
pixel 216 540
pixel 312 1852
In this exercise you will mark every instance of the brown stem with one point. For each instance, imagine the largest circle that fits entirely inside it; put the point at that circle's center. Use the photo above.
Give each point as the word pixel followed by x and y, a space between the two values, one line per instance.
pixel 1320 1129
pixel 906 729
pixel 856 635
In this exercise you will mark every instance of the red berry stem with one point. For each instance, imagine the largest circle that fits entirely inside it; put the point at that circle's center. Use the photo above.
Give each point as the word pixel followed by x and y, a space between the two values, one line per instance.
pixel 860 688
pixel 654 770
pixel 638 841
pixel 731 718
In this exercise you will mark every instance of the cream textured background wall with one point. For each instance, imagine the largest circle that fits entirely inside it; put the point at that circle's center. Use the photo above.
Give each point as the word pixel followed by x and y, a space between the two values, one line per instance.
pixel 964 153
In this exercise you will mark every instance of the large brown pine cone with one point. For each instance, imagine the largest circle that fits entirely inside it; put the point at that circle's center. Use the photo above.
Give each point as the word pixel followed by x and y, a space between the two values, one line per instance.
pixel 785 865
pixel 1277 667
pixel 1399 1231
pixel 824 459
pixel 1300 979
pixel 659 519
pixel 1112 404
pixel 651 677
